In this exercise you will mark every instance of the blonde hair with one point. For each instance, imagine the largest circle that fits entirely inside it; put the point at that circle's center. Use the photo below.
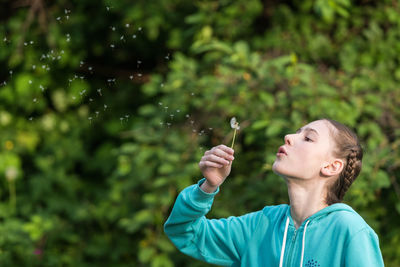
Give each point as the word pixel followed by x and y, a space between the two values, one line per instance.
pixel 348 148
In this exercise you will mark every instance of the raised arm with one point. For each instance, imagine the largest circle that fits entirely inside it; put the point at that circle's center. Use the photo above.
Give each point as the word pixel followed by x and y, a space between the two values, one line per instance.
pixel 215 241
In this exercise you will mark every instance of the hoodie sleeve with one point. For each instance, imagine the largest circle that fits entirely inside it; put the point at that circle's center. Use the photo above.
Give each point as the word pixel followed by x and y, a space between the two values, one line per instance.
pixel 363 250
pixel 217 241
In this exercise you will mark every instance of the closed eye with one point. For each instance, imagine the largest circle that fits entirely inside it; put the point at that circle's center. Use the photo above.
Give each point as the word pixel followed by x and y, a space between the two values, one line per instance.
pixel 307 139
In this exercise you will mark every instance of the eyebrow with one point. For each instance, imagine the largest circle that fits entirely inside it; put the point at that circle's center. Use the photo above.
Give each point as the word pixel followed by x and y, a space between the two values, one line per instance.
pixel 307 130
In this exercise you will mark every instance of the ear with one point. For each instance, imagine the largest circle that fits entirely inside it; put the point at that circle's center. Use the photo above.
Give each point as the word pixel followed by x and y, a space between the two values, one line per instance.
pixel 332 168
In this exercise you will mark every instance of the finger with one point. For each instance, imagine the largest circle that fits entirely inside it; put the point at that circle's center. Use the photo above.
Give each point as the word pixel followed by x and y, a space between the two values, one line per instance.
pixel 216 159
pixel 209 164
pixel 226 149
pixel 221 153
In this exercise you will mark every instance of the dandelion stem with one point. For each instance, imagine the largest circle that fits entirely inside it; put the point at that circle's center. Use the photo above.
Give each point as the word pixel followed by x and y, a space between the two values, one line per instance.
pixel 233 140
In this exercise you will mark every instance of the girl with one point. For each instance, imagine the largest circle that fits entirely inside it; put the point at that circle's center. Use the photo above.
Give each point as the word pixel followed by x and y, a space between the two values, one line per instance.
pixel 318 163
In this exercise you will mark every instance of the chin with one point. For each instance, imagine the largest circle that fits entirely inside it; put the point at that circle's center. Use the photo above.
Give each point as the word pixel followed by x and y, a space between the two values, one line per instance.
pixel 276 169
pixel 279 170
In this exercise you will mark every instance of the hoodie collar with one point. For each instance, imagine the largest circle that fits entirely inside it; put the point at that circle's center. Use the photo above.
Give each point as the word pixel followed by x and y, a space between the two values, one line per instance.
pixel 321 213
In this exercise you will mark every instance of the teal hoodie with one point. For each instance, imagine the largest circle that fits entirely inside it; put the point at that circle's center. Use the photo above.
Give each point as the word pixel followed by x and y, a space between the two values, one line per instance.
pixel 334 236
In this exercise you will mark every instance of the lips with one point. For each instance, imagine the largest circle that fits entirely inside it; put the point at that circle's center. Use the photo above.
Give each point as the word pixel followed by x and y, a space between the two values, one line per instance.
pixel 281 151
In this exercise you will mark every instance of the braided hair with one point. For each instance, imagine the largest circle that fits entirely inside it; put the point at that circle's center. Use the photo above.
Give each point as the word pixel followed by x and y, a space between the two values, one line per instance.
pixel 349 149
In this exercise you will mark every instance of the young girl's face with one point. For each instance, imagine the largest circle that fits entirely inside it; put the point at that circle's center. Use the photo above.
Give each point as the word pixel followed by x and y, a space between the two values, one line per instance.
pixel 305 152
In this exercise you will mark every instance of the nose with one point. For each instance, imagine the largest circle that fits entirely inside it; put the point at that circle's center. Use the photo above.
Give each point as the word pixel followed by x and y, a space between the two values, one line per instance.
pixel 289 139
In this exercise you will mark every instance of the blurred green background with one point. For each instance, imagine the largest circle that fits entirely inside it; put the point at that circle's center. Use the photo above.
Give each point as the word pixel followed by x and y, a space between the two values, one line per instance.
pixel 106 108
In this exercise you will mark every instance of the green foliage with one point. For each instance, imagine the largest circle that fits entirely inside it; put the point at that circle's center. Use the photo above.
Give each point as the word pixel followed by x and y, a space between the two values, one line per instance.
pixel 90 166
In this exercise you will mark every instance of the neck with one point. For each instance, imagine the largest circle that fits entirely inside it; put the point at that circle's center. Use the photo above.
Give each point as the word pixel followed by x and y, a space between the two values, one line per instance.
pixel 306 198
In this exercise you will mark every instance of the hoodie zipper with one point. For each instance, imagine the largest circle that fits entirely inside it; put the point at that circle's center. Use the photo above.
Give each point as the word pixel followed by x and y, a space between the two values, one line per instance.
pixel 292 242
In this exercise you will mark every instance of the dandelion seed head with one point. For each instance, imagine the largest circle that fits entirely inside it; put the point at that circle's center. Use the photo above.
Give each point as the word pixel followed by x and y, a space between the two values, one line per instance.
pixel 234 124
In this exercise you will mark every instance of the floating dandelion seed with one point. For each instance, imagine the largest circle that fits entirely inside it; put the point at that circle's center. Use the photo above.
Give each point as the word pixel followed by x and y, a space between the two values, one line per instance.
pixel 112 46
pixel 127 25
pixel 131 77
pixel 30 118
pixel 34 67
pixel 113 29
pixel 121 119
pixel 35 100
pixel 90 100
pixel 234 125
pixel 99 91
pixel 159 103
pixel 178 110
pixel 97 113
pixel 140 28
pixel 139 75
pixel 105 106
pixel 30 82
pixel 11 72
pixel 90 120
pixel 134 36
